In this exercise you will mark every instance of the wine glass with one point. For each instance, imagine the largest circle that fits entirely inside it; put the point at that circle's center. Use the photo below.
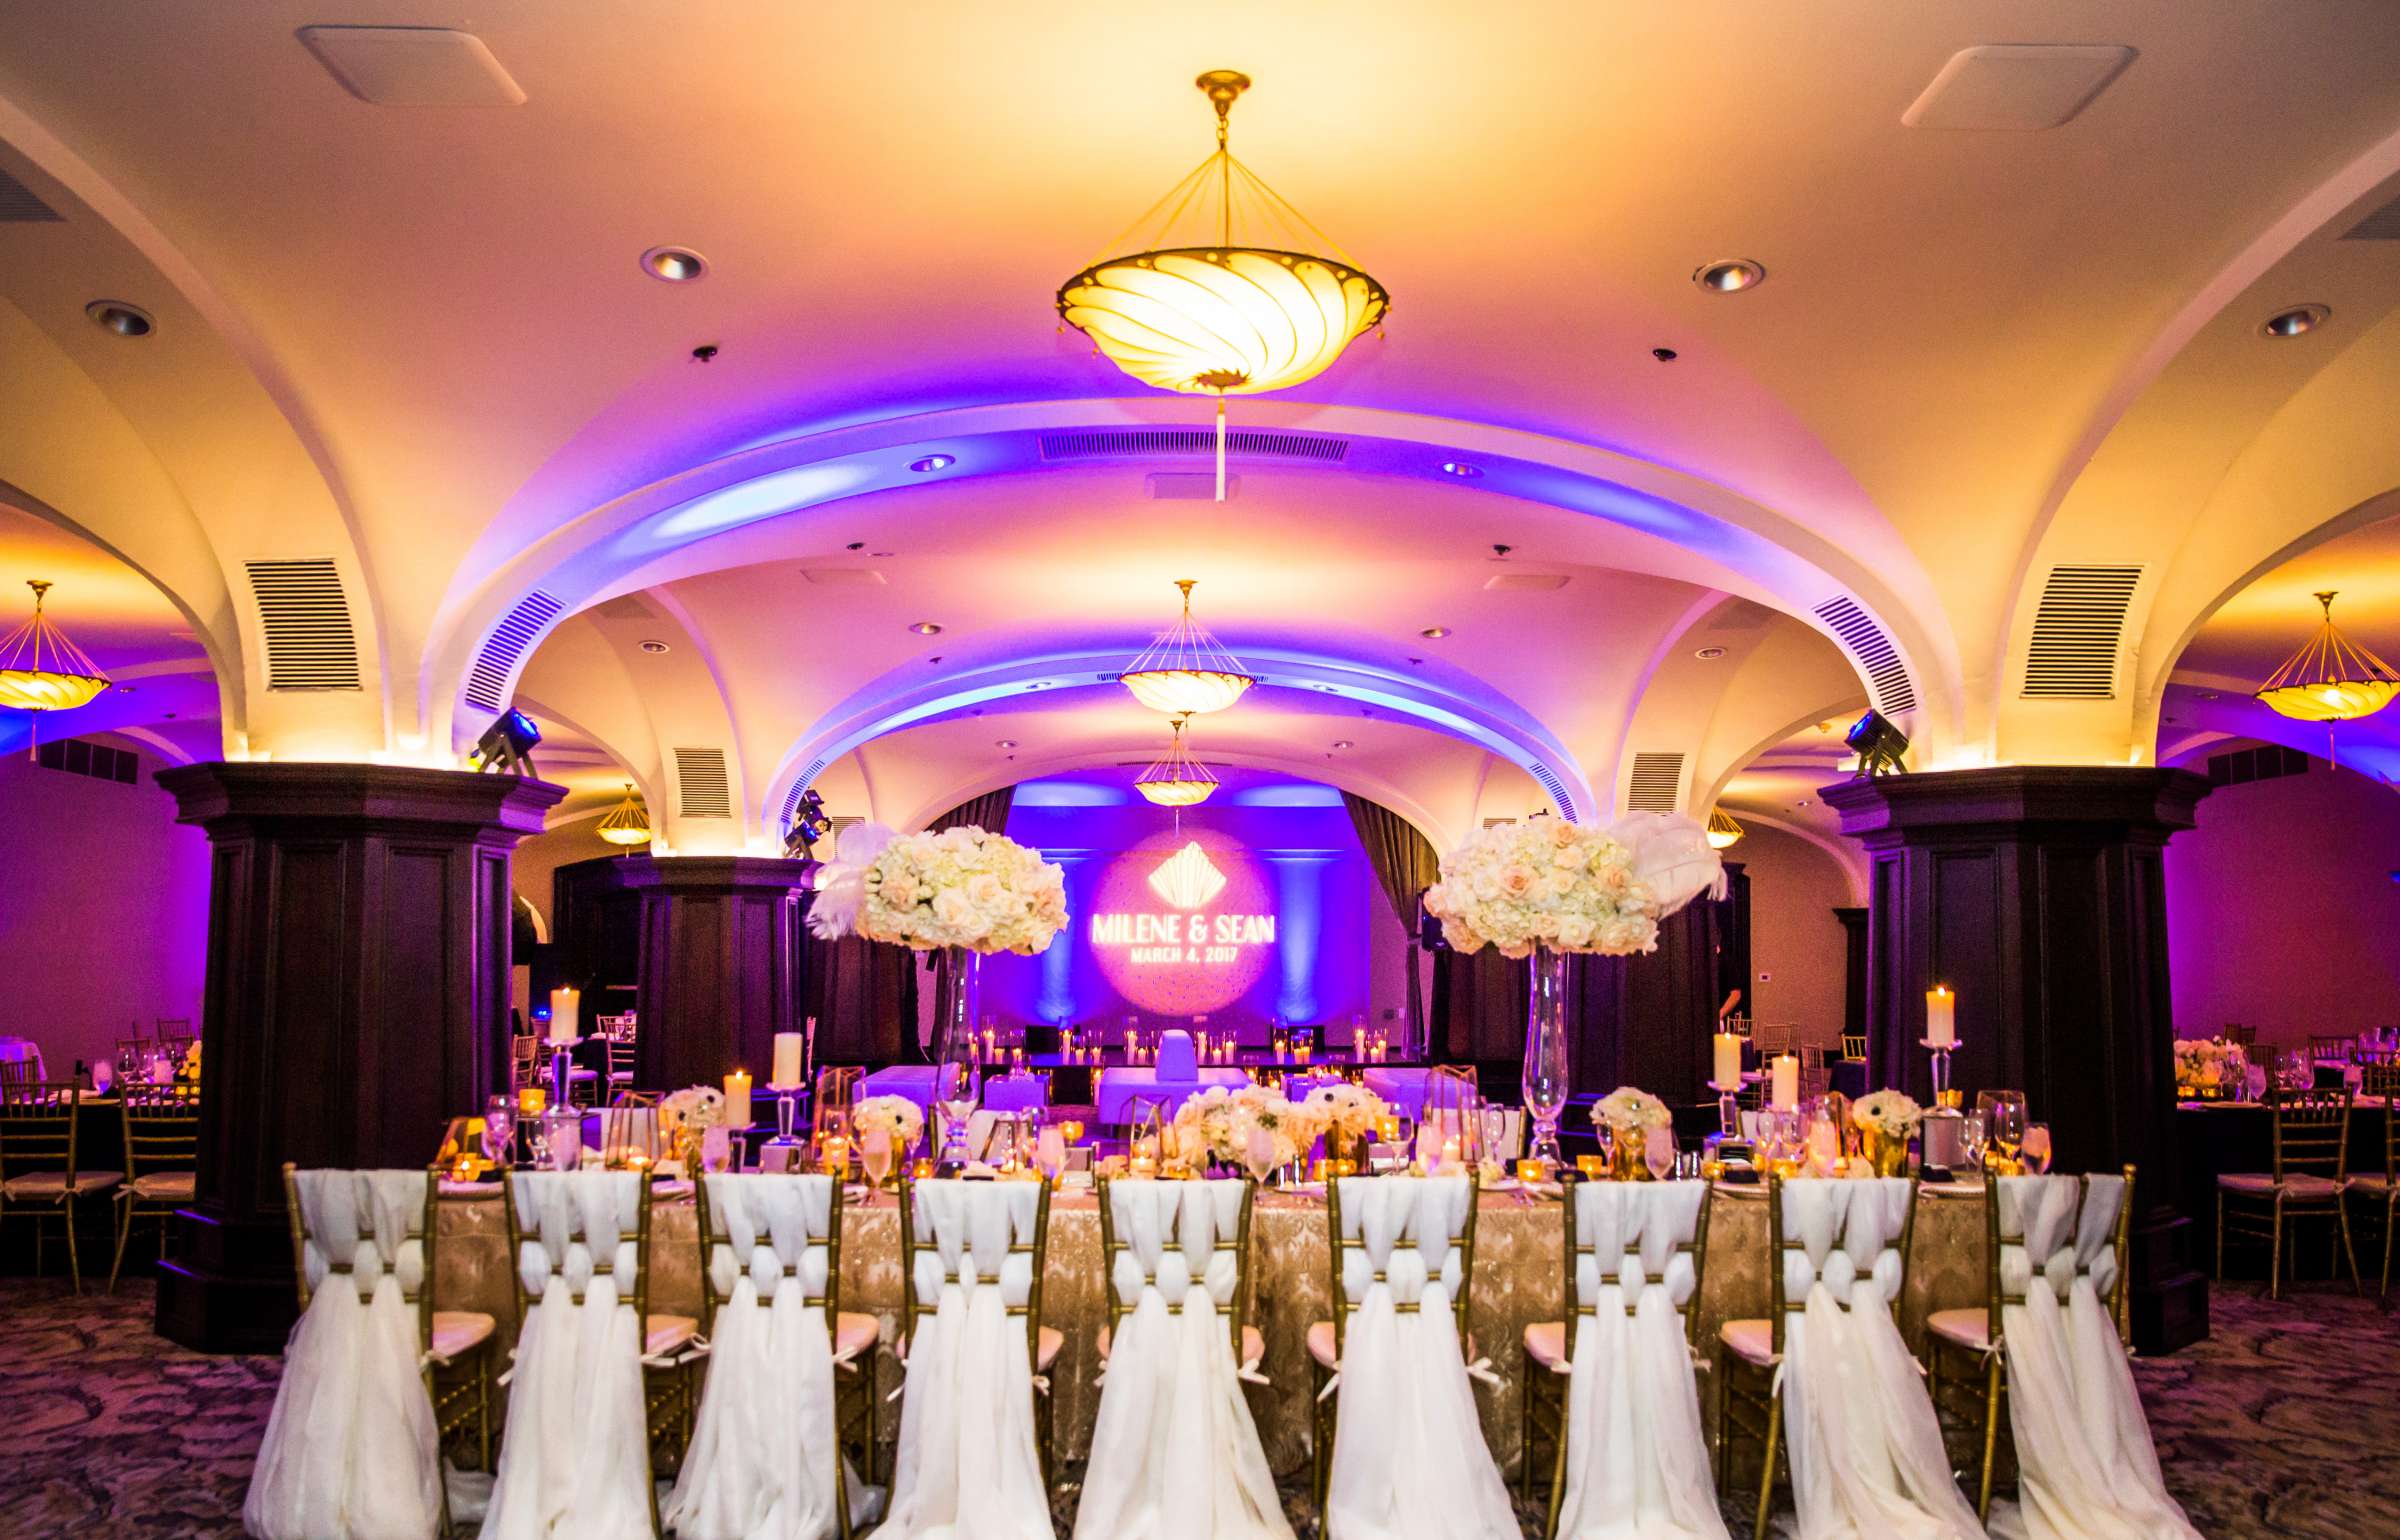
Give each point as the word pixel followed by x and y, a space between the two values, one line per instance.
pixel 875 1153
pixel 956 1091
pixel 499 1131
pixel 2036 1147
pixel 2003 1120
pixel 1973 1138
pixel 1495 1132
pixel 1659 1152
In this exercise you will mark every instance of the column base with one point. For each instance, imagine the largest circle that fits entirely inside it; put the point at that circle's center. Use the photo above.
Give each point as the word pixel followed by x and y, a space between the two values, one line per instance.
pixel 2168 1302
pixel 226 1284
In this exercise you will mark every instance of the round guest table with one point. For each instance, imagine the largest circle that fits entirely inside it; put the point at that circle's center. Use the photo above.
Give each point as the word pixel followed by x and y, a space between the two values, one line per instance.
pixel 2214 1139
pixel 1517 1280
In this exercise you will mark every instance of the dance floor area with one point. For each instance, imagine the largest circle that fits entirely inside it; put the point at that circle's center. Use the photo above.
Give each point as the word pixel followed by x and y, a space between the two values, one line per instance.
pixel 2280 1425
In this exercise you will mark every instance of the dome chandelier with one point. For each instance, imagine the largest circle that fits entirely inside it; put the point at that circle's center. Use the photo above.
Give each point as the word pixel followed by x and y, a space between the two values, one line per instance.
pixel 1723 831
pixel 1177 780
pixel 1186 672
pixel 2330 679
pixel 41 670
pixel 628 823
pixel 1191 307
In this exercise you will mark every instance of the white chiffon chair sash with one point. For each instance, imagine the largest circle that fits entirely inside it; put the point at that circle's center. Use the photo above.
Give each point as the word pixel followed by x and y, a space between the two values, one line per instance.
pixel 1409 1460
pixel 967 1465
pixel 1637 1456
pixel 1175 1455
pixel 2087 1470
pixel 350 1450
pixel 576 1461
pixel 1867 1455
pixel 761 1462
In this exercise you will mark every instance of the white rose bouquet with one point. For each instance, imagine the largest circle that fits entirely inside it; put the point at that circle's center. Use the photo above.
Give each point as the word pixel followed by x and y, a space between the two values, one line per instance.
pixel 961 887
pixel 1628 1110
pixel 2205 1064
pixel 1219 1121
pixel 1544 882
pixel 1347 1113
pixel 894 1116
pixel 693 1107
pixel 1890 1114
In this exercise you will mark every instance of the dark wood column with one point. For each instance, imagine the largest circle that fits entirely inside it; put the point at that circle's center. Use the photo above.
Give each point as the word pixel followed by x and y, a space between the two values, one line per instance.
pixel 2037 894
pixel 357 996
pixel 719 966
pixel 1854 968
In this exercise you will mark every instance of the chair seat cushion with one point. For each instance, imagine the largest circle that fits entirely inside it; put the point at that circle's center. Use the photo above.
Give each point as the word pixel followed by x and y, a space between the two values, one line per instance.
pixel 1546 1344
pixel 854 1331
pixel 666 1333
pixel 2381 1184
pixel 1969 1328
pixel 54 1184
pixel 166 1186
pixel 1254 1345
pixel 2294 1186
pixel 1752 1341
pixel 459 1331
pixel 1321 1345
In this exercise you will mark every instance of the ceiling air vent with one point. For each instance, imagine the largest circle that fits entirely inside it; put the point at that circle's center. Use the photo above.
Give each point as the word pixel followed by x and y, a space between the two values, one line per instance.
pixel 487 681
pixel 1877 658
pixel 307 623
pixel 1655 780
pixel 18 205
pixel 701 789
pixel 800 783
pixel 2076 632
pixel 1252 443
pixel 1557 788
pixel 625 607
pixel 2382 225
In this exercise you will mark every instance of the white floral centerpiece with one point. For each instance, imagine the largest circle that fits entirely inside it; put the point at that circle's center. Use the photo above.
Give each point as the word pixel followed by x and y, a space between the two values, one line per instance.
pixel 1347 1113
pixel 1218 1123
pixel 2206 1068
pixel 686 1116
pixel 896 1117
pixel 1886 1121
pixel 959 888
pixel 1625 1117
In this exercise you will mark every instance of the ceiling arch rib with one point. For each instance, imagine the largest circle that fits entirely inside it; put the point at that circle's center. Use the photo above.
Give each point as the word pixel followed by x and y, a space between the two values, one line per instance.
pixel 665 529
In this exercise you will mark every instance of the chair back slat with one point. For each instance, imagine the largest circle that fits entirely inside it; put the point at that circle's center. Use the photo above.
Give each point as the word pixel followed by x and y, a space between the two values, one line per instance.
pixel 2312 1133
pixel 38 1124
pixel 162 1129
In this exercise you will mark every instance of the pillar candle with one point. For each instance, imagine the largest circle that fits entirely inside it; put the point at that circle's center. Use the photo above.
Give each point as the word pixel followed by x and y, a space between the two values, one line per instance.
pixel 1787 1081
pixel 1729 1061
pixel 1941 1016
pixel 737 1099
pixel 563 1005
pixel 787 1075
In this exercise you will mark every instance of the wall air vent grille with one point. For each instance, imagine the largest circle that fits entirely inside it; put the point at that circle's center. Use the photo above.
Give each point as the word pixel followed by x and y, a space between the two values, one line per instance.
pixel 800 784
pixel 701 790
pixel 1548 779
pixel 2268 762
pixel 2381 225
pixel 1656 779
pixel 81 756
pixel 2076 632
pixel 18 205
pixel 307 623
pixel 1143 443
pixel 1877 658
pixel 487 681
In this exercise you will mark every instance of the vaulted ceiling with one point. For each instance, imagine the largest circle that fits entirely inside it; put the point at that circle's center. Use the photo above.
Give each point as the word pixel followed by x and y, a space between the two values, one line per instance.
pixel 415 344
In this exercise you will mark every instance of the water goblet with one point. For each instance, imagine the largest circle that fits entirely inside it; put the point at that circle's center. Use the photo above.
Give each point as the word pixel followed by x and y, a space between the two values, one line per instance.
pixel 499 1131
pixel 1659 1151
pixel 876 1153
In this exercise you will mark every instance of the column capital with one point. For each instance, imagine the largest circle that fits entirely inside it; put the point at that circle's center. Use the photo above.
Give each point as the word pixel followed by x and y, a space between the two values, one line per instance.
pixel 2128 801
pixel 714 874
pixel 223 796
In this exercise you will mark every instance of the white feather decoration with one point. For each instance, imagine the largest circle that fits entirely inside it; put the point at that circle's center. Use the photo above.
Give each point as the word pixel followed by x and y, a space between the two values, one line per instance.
pixel 1671 856
pixel 842 881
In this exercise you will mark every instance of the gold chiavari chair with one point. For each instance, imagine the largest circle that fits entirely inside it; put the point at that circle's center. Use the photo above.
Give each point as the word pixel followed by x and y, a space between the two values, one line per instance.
pixel 40 1178
pixel 1042 1343
pixel 2379 1075
pixel 2331 1047
pixel 2236 1033
pixel 162 1152
pixel 667 1385
pixel 1550 1345
pixel 2312 1155
pixel 1248 1343
pixel 1854 1048
pixel 1750 1358
pixel 18 1072
pixel 1327 1339
pixel 1966 1372
pixel 849 1331
pixel 524 1061
pixel 455 1346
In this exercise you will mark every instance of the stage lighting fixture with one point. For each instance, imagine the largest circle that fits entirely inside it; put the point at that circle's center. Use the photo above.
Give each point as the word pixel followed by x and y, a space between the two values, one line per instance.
pixel 1879 743
pixel 809 824
pixel 507 745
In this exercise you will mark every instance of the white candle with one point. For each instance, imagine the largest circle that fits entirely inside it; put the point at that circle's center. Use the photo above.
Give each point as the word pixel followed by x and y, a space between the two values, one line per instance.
pixel 737 1099
pixel 1729 1061
pixel 563 1006
pixel 1941 1016
pixel 1787 1081
pixel 787 1062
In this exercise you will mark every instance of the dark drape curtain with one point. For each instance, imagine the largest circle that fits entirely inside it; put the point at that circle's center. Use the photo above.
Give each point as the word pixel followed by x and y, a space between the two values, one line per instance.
pixel 989 813
pixel 1406 866
pixel 1479 1006
pixel 864 996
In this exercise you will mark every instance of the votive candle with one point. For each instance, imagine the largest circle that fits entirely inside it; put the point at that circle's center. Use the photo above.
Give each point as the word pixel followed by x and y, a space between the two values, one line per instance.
pixel 1941 1016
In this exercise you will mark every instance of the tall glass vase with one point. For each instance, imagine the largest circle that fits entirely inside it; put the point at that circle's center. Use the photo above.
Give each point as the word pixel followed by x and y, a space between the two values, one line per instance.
pixel 1546 1050
pixel 957 1082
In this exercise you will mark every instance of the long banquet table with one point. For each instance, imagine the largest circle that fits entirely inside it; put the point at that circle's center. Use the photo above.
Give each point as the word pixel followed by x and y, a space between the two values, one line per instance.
pixel 1517 1280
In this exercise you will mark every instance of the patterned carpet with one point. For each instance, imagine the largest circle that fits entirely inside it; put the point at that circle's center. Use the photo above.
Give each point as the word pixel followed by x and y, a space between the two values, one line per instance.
pixel 2281 1425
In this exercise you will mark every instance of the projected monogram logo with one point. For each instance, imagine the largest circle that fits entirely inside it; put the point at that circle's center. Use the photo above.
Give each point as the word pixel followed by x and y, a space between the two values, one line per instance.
pixel 1188 878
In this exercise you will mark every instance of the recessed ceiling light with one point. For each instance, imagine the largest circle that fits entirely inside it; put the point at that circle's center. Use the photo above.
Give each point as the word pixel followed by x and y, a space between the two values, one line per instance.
pixel 926 628
pixel 117 316
pixel 1462 469
pixel 933 463
pixel 2207 694
pixel 1344 743
pixel 1005 743
pixel 674 264
pixel 2296 320
pixel 1710 653
pixel 1730 276
pixel 1416 660
pixel 656 646
pixel 124 689
pixel 1434 633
